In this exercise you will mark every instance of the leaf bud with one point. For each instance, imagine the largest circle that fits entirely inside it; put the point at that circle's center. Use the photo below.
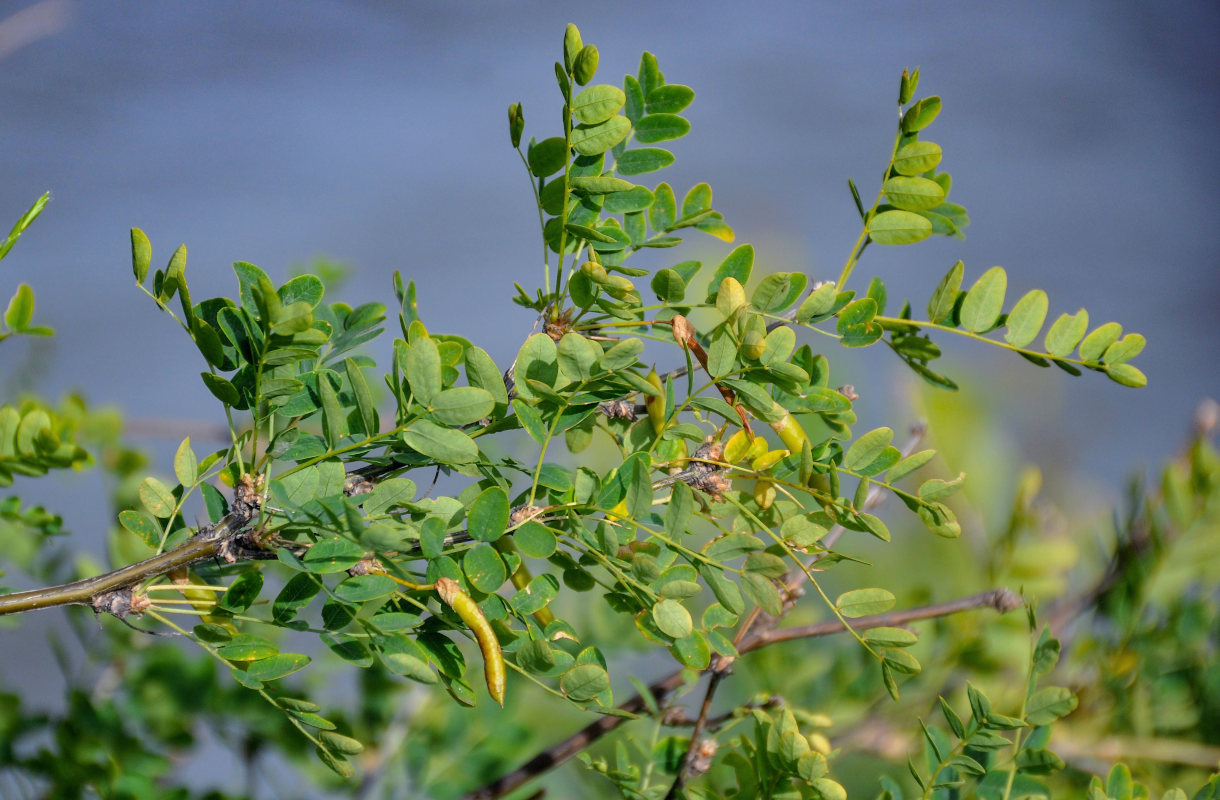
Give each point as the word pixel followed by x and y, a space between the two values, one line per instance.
pixel 516 123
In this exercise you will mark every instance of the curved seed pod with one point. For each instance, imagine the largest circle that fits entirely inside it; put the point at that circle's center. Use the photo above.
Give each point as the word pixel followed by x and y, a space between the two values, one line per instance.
pixel 489 645
pixel 656 405
pixel 790 431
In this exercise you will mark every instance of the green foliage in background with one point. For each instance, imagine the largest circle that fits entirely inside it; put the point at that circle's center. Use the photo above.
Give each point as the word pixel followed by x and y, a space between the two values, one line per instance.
pixel 479 553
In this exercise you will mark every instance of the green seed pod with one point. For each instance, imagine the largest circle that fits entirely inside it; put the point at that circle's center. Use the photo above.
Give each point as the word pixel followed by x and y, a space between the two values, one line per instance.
pixel 489 645
pixel 655 405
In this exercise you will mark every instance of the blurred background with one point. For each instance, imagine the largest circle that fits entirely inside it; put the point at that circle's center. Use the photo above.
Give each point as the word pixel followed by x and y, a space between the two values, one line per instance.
pixel 1080 137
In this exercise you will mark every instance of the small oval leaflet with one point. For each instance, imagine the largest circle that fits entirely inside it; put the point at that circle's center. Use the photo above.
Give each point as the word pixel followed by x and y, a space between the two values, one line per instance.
pixel 862 602
pixel 1026 318
pixel 917 158
pixel 898 227
pixel 983 303
pixel 598 103
pixel 914 194
pixel 589 140
pixel 584 682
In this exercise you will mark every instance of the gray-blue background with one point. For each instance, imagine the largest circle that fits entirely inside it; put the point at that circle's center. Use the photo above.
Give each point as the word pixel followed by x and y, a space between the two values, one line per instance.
pixel 1081 138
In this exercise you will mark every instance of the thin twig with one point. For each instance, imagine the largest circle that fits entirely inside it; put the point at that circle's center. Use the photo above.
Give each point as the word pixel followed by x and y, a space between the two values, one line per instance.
pixel 1002 600
pixel 686 771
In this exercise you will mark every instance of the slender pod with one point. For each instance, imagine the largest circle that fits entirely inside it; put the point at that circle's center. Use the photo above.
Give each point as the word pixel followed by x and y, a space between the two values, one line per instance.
pixel 489 645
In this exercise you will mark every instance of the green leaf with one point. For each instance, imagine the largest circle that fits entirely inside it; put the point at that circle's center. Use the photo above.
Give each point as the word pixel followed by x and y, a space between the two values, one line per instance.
pixel 462 405
pixel 363 397
pixel 1119 785
pixel 445 445
pixel 530 420
pixel 488 517
pixel 186 466
pixel 247 647
pixel 423 369
pixel 944 299
pixel 778 291
pixel 1066 333
pixel 577 355
pixel 672 618
pixel 584 682
pixel 597 104
pixel 277 666
pixel 1127 375
pixel 335 554
pixel 913 194
pixel 241 595
pixel 141 254
pixel 898 227
pixel 727 592
pixel 622 355
pixel 660 128
pixel 586 64
pixel 221 389
pixel 337 743
pixel 920 115
pixel 535 540
pixel 1096 343
pixel 668 99
pixel 20 309
pixel 484 567
pixel 889 637
pixel 547 157
pixel 602 184
pixel 142 525
pixel 637 198
pixel 641 160
pixel 867 448
pixel 940 520
pixel 483 373
pixel 157 498
pixel 362 588
pixel 1124 349
pixel 819 302
pixel 664 208
pixel 767 564
pixel 908 465
pixel 738 264
pixel 1049 704
pixel 762 592
pixel 981 308
pixel 917 158
pixel 333 417
pixel 668 286
pixel 901 661
pixel 937 489
pixel 589 140
pixel 1026 318
pixel 862 602
pixel 296 594
pixel 572 45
